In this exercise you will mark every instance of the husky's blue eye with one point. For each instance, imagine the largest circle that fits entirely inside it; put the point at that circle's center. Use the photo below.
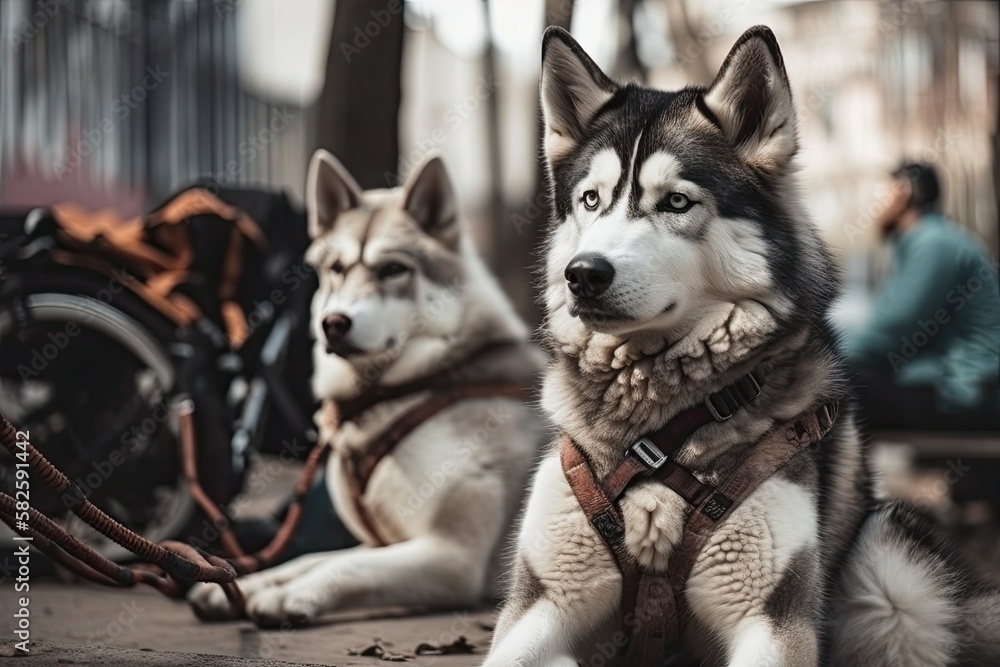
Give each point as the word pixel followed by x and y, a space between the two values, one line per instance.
pixel 391 269
pixel 591 199
pixel 676 203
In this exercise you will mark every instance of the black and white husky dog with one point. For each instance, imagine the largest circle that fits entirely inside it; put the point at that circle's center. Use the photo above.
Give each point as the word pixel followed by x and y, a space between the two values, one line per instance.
pixel 680 259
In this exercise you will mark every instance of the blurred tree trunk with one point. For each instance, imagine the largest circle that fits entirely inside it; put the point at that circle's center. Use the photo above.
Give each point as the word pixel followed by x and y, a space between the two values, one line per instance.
pixel 494 165
pixel 627 63
pixel 524 232
pixel 358 110
pixel 690 53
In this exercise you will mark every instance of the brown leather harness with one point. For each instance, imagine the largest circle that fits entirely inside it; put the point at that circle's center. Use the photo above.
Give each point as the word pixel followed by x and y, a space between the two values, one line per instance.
pixel 653 604
pixel 446 388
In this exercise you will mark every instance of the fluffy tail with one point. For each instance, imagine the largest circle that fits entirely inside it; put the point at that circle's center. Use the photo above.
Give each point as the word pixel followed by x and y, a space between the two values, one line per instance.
pixel 904 598
pixel 981 630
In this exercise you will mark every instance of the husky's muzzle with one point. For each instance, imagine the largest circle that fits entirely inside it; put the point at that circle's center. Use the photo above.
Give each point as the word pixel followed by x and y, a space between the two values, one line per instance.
pixel 589 275
pixel 335 329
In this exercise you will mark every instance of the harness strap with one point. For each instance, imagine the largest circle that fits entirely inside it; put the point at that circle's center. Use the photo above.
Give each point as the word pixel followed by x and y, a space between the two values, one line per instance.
pixel 606 518
pixel 443 381
pixel 684 484
pixel 361 468
pixel 384 444
pixel 764 460
pixel 719 406
pixel 653 604
pixel 602 512
pixel 651 454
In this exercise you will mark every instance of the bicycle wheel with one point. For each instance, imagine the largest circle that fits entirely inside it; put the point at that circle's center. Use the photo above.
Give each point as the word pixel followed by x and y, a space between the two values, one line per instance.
pixel 89 377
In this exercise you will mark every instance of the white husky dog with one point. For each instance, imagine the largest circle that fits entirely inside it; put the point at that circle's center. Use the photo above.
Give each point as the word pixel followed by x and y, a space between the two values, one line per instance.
pixel 405 311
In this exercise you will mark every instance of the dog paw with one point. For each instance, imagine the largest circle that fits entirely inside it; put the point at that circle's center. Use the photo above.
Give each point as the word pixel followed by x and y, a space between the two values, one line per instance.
pixel 653 525
pixel 209 603
pixel 282 607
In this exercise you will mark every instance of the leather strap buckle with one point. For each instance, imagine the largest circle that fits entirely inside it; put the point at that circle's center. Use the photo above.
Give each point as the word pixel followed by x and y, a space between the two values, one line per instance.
pixel 607 526
pixel 723 404
pixel 649 453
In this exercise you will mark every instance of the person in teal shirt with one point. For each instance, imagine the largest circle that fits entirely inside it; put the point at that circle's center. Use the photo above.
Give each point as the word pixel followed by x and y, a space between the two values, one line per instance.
pixel 930 354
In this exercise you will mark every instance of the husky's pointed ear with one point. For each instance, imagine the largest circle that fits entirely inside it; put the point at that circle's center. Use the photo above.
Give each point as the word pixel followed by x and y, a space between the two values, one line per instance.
pixel 330 190
pixel 573 89
pixel 751 101
pixel 429 198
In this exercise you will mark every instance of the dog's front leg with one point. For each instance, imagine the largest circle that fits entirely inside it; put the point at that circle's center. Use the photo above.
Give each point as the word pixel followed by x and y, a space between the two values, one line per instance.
pixel 760 641
pixel 209 601
pixel 565 589
pixel 757 586
pixel 541 637
pixel 430 570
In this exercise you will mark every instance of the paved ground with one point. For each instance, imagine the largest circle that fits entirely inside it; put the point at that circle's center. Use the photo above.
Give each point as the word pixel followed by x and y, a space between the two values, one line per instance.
pixel 86 624
pixel 53 654
pixel 92 625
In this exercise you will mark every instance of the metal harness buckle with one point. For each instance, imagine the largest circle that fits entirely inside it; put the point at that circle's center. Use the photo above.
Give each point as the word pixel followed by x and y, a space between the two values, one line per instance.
pixel 732 398
pixel 649 453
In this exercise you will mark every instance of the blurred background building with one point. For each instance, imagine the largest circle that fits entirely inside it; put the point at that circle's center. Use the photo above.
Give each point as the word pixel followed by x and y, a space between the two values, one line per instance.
pixel 121 102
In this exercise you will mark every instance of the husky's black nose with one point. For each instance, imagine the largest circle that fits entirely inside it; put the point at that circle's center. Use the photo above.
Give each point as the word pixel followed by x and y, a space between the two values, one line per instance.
pixel 336 325
pixel 589 275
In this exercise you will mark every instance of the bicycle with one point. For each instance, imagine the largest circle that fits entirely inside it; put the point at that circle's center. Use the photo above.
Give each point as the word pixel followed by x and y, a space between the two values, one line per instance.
pixel 93 370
